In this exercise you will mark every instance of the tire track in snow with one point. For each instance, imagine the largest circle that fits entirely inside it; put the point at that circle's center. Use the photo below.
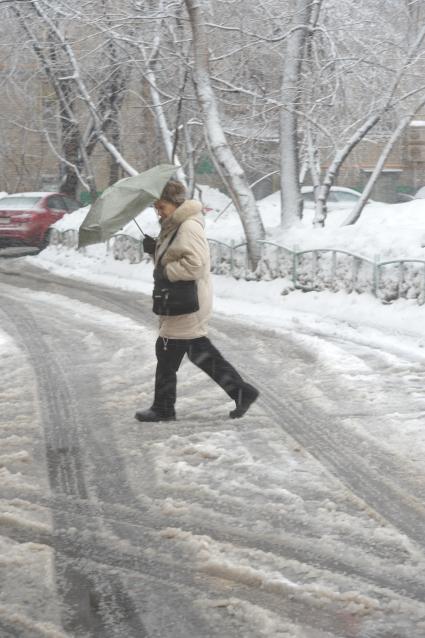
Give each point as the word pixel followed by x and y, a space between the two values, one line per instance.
pixel 101 563
pixel 63 453
pixel 170 576
pixel 140 528
pixel 59 416
pixel 8 631
pixel 381 484
pixel 193 581
pixel 339 449
pixel 277 406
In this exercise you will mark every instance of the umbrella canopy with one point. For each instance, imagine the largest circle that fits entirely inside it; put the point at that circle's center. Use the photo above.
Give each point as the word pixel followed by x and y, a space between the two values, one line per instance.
pixel 122 202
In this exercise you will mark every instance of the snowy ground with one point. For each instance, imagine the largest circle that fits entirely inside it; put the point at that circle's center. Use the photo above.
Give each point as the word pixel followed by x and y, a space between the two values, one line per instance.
pixel 28 599
pixel 303 520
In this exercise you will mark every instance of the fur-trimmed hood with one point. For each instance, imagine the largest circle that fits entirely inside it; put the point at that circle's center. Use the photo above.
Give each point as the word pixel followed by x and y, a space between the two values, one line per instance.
pixel 189 208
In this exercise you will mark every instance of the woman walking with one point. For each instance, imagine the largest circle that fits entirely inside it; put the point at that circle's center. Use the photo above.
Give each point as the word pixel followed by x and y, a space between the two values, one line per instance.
pixel 181 254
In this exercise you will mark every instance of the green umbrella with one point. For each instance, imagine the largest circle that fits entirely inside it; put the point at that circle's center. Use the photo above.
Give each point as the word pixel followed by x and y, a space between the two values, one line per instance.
pixel 122 202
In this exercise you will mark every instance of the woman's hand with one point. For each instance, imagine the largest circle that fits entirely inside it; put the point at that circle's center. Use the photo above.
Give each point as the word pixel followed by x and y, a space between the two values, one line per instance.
pixel 149 245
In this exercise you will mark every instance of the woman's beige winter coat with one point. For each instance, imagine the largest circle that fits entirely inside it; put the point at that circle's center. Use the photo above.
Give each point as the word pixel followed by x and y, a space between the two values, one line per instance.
pixel 187 258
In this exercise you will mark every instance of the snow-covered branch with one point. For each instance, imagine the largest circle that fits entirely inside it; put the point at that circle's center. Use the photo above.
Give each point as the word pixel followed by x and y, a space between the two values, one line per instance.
pixel 221 152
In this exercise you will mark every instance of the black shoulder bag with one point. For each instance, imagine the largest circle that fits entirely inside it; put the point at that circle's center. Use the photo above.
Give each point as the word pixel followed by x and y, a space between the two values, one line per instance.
pixel 174 297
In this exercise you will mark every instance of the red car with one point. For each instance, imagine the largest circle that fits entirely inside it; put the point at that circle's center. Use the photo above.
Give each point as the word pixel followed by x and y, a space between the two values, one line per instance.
pixel 25 218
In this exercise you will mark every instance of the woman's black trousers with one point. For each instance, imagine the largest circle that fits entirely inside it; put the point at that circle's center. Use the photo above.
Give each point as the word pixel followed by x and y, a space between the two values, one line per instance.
pixel 169 354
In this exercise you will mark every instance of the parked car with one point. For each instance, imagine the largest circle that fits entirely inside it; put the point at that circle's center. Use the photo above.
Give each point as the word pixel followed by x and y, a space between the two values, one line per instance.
pixel 26 218
pixel 402 198
pixel 339 197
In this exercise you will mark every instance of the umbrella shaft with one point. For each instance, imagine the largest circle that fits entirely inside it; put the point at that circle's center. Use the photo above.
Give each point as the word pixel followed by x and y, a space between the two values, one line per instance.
pixel 139 227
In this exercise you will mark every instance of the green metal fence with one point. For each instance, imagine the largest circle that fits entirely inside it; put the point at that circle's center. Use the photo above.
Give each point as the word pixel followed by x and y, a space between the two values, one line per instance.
pixel 312 269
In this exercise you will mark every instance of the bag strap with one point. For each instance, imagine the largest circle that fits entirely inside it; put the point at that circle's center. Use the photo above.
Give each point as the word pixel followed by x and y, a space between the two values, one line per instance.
pixel 169 243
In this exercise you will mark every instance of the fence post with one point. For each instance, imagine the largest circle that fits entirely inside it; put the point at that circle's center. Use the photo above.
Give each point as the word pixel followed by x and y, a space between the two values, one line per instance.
pixel 400 279
pixel 376 273
pixel 333 270
pixel 355 272
pixel 423 285
pixel 217 252
pixel 232 257
pixel 314 266
pixel 294 265
pixel 55 237
pixel 261 245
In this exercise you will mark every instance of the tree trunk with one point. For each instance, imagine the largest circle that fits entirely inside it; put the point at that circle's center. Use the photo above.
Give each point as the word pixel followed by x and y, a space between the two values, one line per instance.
pixel 314 167
pixel 335 166
pixel 403 124
pixel 162 124
pixel 112 100
pixel 190 160
pixel 150 61
pixel 70 132
pixel 290 193
pixel 70 148
pixel 82 89
pixel 240 190
pixel 71 143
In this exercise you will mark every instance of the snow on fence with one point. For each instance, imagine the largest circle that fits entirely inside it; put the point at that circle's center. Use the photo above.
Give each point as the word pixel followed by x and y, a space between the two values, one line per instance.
pixel 313 269
pixel 126 247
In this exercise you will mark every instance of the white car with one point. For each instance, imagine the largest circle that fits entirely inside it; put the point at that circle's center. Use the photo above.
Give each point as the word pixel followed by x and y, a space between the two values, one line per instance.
pixel 339 197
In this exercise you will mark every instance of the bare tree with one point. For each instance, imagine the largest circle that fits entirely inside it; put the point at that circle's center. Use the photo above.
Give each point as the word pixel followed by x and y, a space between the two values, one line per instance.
pixel 122 72
pixel 54 71
pixel 83 92
pixel 390 98
pixel 395 136
pixel 229 167
pixel 303 21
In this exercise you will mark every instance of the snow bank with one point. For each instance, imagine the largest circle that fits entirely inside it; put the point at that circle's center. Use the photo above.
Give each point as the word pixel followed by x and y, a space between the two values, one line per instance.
pixel 387 231
pixel 72 221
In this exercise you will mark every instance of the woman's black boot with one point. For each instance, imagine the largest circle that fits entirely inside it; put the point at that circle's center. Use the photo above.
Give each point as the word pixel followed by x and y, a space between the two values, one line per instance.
pixel 151 415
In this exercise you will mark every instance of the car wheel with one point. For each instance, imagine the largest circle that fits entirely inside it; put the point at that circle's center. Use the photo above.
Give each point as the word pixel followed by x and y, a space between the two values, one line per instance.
pixel 46 240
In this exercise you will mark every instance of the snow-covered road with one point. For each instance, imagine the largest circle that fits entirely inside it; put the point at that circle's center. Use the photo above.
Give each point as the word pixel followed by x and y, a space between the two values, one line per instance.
pixel 303 520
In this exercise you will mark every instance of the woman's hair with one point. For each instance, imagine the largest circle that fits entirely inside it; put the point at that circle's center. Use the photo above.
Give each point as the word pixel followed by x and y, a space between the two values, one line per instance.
pixel 174 192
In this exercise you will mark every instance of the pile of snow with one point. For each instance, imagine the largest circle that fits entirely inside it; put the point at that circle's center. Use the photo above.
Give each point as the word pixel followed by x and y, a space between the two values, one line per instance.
pixel 72 221
pixel 384 230
pixel 387 230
